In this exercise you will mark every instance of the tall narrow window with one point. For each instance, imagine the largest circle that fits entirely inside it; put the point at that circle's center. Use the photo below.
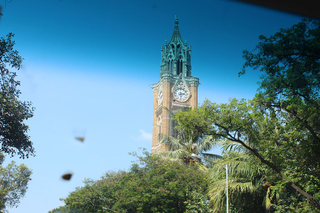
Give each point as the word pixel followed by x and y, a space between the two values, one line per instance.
pixel 178 67
pixel 170 65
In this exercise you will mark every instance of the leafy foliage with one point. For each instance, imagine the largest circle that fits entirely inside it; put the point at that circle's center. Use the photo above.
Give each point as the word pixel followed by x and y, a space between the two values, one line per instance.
pixel 279 128
pixel 65 209
pixel 269 139
pixel 290 87
pixel 157 185
pixel 197 202
pixel 13 183
pixel 246 190
pixel 13 112
pixel 190 139
pixel 290 62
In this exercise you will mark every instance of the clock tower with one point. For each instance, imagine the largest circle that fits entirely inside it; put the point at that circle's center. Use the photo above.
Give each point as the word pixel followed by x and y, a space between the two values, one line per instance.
pixel 176 89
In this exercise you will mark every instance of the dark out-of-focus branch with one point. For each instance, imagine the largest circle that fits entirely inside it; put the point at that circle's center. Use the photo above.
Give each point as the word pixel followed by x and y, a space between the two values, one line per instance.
pixel 308 8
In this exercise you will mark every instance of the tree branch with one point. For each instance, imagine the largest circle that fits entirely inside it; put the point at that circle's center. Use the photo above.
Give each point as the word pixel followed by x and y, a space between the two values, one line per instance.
pixel 304 122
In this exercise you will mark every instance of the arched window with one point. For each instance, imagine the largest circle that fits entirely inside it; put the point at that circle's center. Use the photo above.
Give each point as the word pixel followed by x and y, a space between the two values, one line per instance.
pixel 179 66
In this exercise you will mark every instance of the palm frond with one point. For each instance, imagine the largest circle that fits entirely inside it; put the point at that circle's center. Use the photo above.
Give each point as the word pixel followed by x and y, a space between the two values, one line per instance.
pixel 171 142
pixel 211 156
pixel 227 145
pixel 191 142
pixel 173 154
pixel 206 144
pixel 242 175
pixel 217 195
pixel 240 185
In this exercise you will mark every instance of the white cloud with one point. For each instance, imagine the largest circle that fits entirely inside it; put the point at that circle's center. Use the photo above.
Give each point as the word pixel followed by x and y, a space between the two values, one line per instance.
pixel 144 136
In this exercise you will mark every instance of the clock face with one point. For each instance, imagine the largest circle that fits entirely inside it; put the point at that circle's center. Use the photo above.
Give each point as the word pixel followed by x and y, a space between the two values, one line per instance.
pixel 160 97
pixel 180 94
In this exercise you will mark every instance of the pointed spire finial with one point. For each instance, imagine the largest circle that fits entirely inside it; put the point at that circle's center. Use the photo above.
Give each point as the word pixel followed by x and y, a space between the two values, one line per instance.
pixel 176 37
pixel 176 21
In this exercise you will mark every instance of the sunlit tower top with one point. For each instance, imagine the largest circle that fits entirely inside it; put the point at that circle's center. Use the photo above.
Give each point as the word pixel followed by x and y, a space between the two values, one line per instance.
pixel 176 89
pixel 176 55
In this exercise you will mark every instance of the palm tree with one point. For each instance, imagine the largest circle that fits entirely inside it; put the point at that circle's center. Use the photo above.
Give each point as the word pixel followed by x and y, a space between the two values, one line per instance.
pixel 246 181
pixel 187 143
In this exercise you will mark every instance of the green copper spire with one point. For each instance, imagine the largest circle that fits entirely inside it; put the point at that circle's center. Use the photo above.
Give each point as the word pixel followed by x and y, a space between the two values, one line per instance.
pixel 176 55
pixel 176 37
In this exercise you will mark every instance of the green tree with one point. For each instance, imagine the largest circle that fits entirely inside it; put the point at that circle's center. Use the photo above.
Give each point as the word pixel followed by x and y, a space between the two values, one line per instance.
pixel 95 195
pixel 190 139
pixel 280 127
pixel 65 209
pixel 161 186
pixel 290 62
pixel 290 83
pixel 184 145
pixel 155 184
pixel 197 202
pixel 247 188
pixel 272 142
pixel 13 112
pixel 13 183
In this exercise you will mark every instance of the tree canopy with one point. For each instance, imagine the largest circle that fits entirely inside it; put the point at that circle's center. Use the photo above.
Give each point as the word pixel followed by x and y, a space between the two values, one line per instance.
pixel 155 184
pixel 290 63
pixel 13 112
pixel 13 183
pixel 280 127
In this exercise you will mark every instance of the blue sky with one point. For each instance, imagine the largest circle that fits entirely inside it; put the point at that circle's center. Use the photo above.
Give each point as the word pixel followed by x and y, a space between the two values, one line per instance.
pixel 89 67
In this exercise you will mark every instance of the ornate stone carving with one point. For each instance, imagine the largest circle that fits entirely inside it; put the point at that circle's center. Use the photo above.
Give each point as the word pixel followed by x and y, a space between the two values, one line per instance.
pixel 159 110
pixel 155 87
pixel 180 90
pixel 193 81
pixel 167 77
